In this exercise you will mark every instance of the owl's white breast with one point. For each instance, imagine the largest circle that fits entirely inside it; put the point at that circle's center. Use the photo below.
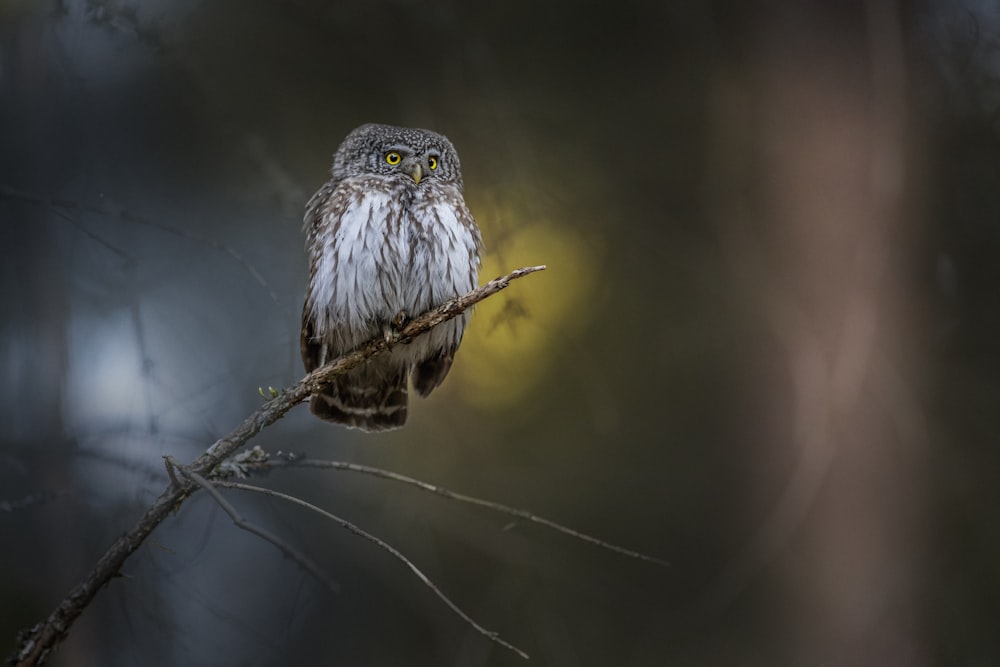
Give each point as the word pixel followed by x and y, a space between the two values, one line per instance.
pixel 445 252
pixel 387 250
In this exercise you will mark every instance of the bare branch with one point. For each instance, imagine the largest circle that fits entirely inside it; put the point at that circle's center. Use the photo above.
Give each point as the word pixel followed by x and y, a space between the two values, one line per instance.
pixel 37 642
pixel 452 495
pixel 240 522
pixel 357 530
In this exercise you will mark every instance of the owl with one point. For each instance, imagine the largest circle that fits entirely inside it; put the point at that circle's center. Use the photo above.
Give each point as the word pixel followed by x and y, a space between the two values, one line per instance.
pixel 389 236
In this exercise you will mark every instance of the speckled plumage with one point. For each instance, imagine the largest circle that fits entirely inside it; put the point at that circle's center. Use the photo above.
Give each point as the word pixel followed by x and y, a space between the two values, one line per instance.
pixel 386 241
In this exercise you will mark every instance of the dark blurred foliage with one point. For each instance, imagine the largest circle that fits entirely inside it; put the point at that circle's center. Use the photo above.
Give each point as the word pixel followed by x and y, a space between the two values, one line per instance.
pixel 766 347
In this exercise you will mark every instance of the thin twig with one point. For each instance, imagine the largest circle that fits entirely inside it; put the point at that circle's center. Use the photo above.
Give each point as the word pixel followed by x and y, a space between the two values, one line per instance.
pixel 357 530
pixel 242 523
pixel 36 643
pixel 452 495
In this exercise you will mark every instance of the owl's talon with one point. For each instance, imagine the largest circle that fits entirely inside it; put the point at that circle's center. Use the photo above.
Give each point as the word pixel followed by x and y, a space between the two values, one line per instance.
pixel 390 330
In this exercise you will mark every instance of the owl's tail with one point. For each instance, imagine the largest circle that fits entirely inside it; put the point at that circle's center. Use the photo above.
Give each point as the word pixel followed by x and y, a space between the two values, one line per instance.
pixel 356 400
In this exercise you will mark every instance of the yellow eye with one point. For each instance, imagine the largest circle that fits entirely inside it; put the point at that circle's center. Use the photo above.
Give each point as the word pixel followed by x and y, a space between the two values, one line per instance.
pixel 432 162
pixel 392 157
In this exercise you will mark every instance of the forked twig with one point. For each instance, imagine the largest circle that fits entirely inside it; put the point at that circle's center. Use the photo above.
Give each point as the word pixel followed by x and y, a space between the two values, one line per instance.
pixel 357 530
pixel 453 495
pixel 242 523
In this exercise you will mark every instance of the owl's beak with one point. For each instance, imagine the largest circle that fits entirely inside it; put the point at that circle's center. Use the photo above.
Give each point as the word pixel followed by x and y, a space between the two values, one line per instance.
pixel 416 172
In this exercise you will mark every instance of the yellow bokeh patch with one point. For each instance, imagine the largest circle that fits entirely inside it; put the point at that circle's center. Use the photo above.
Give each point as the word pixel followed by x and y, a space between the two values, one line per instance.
pixel 512 339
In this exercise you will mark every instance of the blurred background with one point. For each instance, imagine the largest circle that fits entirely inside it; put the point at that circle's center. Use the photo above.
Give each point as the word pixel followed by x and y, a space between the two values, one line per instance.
pixel 766 348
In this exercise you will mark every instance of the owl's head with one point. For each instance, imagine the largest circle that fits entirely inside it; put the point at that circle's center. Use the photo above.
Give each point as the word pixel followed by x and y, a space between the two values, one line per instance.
pixel 420 155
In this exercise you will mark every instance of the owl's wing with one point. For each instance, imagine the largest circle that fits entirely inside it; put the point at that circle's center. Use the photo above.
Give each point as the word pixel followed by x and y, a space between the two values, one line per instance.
pixel 310 348
pixel 463 265
pixel 431 372
pixel 314 209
